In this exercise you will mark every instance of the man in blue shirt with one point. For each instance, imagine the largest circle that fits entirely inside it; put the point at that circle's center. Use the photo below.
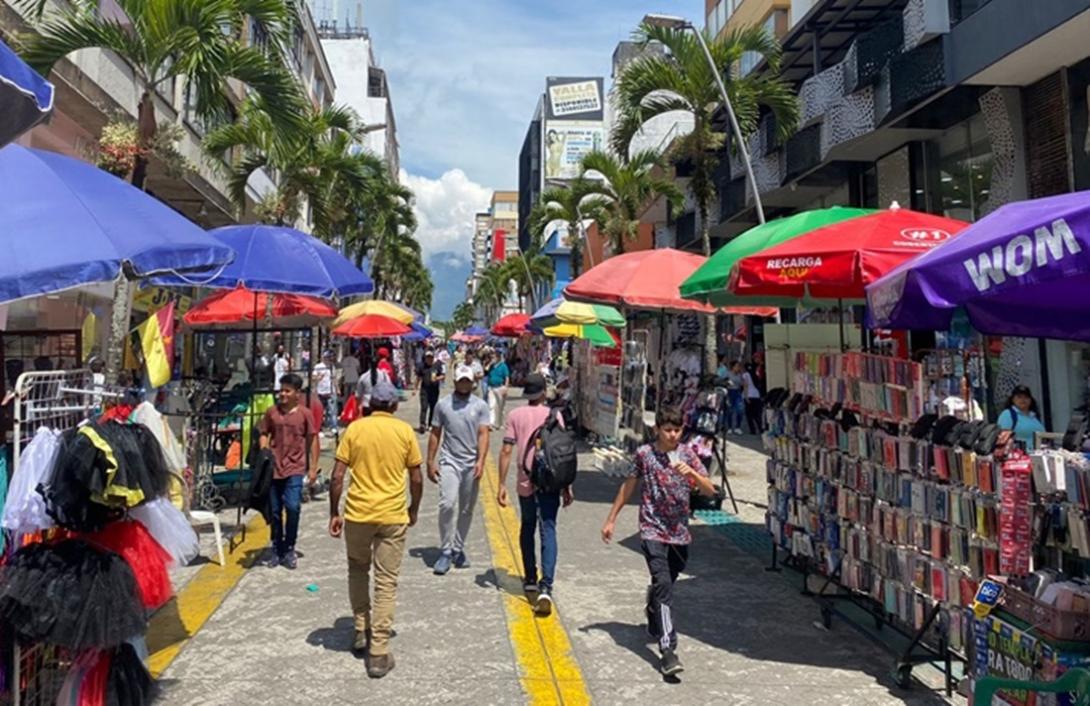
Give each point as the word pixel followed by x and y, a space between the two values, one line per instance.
pixel 498 377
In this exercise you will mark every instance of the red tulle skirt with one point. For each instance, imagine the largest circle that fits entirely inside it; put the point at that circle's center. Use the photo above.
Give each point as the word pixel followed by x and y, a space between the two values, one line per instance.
pixel 148 561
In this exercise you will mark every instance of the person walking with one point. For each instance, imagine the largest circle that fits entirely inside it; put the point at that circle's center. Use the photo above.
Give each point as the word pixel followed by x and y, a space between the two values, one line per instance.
pixel 669 473
pixel 324 386
pixel 429 378
pixel 536 507
pixel 384 365
pixel 382 452
pixel 477 367
pixel 288 430
pixel 281 366
pixel 754 403
pixel 456 451
pixel 350 375
pixel 499 375
pixel 369 378
pixel 736 403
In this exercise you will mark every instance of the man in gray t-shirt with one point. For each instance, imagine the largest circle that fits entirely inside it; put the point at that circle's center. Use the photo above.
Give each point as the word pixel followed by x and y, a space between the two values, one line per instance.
pixel 456 451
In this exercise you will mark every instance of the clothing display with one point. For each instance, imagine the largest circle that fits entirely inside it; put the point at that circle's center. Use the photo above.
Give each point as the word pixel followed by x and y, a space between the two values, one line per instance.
pixel 25 510
pixel 132 542
pixel 128 682
pixel 71 594
pixel 170 529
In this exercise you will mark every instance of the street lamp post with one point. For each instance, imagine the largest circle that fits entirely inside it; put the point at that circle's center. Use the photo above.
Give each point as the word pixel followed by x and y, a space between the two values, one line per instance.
pixel 672 22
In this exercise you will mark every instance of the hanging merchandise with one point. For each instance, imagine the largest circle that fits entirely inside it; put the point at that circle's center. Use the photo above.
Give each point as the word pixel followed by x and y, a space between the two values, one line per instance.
pixel 1016 518
pixel 148 561
pixel 70 594
pixel 170 528
pixel 25 511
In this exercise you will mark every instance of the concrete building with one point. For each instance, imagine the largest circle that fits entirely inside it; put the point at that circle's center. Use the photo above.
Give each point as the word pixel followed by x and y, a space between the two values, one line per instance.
pixel 495 240
pixel 362 84
pixel 482 249
pixel 954 107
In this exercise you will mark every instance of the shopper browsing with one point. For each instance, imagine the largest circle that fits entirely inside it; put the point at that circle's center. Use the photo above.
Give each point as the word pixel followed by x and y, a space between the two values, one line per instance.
pixel 1020 416
pixel 669 473
pixel 537 507
pixel 289 431
pixel 382 452
pixel 456 452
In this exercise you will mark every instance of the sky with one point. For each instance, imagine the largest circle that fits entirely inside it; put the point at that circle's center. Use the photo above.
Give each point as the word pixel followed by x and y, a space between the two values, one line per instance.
pixel 464 78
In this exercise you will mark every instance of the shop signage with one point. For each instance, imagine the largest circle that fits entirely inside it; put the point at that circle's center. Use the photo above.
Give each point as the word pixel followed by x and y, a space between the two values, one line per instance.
pixel 575 98
pixel 1022 254
pixel 151 299
pixel 793 267
pixel 567 142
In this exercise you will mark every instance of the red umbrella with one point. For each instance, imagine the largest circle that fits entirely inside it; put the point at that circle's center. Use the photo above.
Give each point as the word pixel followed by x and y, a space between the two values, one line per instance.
pixel 372 326
pixel 840 260
pixel 231 307
pixel 647 279
pixel 512 325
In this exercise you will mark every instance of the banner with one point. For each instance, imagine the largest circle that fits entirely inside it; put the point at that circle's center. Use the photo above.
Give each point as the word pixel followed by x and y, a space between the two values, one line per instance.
pixel 566 143
pixel 575 98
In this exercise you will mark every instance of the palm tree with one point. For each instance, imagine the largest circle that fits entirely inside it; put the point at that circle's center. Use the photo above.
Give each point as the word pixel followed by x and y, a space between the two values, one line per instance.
pixel 567 206
pixel 530 271
pixel 492 290
pixel 463 316
pixel 627 188
pixel 682 80
pixel 199 42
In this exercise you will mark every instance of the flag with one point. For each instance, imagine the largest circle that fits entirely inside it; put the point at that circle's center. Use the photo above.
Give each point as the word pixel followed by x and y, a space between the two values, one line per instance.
pixel 157 345
pixel 87 334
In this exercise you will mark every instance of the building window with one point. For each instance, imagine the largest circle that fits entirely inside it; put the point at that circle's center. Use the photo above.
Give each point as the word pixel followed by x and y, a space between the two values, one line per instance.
pixel 960 9
pixel 960 180
pixel 749 61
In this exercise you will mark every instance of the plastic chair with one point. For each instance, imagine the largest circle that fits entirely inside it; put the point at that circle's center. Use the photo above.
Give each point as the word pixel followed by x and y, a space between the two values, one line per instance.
pixel 197 518
pixel 1073 681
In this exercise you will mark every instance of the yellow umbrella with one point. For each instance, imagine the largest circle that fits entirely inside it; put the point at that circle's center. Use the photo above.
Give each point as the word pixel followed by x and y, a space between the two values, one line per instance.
pixel 374 307
pixel 595 333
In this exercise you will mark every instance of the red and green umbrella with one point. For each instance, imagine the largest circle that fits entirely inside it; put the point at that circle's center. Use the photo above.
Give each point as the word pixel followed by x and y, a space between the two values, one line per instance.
pixel 709 282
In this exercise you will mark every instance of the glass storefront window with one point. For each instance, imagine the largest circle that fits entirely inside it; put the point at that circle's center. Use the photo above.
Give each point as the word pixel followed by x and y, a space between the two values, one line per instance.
pixel 962 176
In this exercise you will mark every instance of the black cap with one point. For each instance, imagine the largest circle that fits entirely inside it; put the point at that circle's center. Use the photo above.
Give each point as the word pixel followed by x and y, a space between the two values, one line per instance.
pixel 534 388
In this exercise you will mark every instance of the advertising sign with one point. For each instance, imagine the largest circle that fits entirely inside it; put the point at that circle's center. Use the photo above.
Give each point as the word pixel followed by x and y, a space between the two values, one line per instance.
pixel 567 142
pixel 574 98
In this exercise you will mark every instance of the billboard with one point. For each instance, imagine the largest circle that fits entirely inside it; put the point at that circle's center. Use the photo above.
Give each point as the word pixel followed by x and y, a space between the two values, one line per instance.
pixel 567 142
pixel 574 98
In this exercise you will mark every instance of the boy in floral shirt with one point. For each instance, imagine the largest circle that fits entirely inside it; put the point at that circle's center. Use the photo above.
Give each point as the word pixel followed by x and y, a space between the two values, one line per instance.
pixel 669 474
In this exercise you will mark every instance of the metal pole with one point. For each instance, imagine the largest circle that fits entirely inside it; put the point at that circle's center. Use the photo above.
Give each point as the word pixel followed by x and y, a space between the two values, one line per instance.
pixel 733 123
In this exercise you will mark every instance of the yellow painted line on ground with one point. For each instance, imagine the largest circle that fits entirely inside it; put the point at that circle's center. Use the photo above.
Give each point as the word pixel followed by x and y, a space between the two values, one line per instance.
pixel 549 673
pixel 173 625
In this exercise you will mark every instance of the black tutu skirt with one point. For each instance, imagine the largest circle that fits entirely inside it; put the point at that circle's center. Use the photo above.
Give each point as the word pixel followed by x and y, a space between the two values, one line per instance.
pixel 72 595
pixel 101 470
pixel 129 683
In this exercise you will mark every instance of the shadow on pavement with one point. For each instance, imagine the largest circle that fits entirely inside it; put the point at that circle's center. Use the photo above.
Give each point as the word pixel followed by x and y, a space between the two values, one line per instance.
pixel 428 555
pixel 502 580
pixel 169 628
pixel 633 638
pixel 335 639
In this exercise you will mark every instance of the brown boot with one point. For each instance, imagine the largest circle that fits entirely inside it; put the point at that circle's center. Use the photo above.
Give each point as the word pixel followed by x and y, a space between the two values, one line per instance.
pixel 361 641
pixel 379 666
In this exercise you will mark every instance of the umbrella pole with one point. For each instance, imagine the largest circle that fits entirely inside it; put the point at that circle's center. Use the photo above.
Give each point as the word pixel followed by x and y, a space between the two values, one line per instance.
pixel 660 386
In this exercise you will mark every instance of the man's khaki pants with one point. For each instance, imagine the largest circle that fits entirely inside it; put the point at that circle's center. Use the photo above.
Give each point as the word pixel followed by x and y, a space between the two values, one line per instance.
pixel 383 546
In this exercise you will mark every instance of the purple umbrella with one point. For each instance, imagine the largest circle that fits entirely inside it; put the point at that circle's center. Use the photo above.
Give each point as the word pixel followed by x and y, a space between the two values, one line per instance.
pixel 1023 270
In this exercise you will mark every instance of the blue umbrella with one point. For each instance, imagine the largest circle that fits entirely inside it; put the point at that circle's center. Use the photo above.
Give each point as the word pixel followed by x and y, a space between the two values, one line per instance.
pixel 27 97
pixel 420 333
pixel 476 331
pixel 282 259
pixel 68 224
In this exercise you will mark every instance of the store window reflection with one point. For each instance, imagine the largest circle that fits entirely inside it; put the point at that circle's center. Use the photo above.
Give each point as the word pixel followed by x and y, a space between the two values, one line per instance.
pixel 961 177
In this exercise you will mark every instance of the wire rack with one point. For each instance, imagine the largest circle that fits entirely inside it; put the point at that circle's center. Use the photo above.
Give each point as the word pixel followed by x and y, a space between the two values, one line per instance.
pixel 59 400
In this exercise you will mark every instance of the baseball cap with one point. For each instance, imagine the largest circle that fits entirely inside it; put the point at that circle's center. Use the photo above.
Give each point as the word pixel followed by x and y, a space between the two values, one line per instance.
pixel 534 387
pixel 384 392
pixel 464 372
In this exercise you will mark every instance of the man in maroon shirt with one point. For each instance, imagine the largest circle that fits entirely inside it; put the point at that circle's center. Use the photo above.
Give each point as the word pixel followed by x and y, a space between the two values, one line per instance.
pixel 288 430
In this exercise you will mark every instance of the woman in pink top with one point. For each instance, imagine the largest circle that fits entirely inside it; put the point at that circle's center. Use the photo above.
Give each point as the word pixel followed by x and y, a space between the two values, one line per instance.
pixel 536 507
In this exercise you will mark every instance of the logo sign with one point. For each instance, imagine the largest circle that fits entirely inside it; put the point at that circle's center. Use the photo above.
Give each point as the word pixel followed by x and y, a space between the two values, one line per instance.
pixel 930 236
pixel 793 268
pixel 575 98
pixel 1047 247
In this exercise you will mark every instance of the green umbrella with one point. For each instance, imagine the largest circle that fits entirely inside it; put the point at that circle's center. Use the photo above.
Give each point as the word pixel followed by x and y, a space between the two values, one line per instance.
pixel 595 333
pixel 709 283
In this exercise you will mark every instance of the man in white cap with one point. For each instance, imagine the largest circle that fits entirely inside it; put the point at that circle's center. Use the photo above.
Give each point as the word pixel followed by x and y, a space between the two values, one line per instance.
pixel 456 451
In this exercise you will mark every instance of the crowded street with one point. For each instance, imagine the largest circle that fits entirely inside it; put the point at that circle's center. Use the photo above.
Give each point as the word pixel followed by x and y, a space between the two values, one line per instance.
pixel 551 352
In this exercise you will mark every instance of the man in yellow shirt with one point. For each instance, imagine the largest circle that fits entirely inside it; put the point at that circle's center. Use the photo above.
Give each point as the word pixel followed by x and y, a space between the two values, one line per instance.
pixel 381 450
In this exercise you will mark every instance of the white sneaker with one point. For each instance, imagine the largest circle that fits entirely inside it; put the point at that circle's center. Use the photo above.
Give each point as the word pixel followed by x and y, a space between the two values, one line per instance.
pixel 544 605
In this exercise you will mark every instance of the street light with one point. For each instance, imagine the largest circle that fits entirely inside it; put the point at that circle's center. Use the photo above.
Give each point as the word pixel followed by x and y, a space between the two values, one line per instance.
pixel 680 23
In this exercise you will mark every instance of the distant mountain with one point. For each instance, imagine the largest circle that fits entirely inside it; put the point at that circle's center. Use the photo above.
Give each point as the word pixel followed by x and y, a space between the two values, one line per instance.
pixel 449 271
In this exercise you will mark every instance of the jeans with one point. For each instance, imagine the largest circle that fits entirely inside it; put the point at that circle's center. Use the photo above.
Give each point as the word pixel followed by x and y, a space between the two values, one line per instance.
pixel 755 415
pixel 736 409
pixel 539 509
pixel 458 491
pixel 331 414
pixel 664 562
pixel 382 546
pixel 428 399
pixel 285 497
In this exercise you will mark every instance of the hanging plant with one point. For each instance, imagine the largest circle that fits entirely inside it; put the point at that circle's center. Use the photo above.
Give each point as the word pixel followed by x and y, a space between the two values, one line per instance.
pixel 118 148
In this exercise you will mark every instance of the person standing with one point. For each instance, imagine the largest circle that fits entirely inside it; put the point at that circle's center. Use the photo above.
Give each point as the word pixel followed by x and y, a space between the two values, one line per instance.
pixel 381 450
pixel 499 375
pixel 457 448
pixel 288 430
pixel 429 378
pixel 475 365
pixel 736 403
pixel 669 473
pixel 369 378
pixel 1020 416
pixel 350 375
pixel 385 366
pixel 281 366
pixel 754 404
pixel 323 384
pixel 536 507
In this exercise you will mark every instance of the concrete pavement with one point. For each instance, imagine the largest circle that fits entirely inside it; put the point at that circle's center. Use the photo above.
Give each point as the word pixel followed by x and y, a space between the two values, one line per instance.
pixel 746 636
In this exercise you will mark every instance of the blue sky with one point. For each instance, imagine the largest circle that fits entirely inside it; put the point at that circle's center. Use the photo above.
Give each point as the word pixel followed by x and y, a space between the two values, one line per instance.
pixel 464 78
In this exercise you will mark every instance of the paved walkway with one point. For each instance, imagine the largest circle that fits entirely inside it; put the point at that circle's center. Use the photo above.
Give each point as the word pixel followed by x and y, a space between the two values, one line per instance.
pixel 244 636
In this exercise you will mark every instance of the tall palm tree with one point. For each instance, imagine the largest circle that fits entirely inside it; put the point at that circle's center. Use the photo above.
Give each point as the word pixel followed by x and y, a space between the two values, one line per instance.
pixel 198 42
pixel 627 188
pixel 682 80
pixel 492 290
pixel 530 271
pixel 567 206
pixel 463 316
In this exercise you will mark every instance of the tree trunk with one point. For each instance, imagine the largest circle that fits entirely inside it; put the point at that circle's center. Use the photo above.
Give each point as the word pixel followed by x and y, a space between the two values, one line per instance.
pixel 121 312
pixel 711 335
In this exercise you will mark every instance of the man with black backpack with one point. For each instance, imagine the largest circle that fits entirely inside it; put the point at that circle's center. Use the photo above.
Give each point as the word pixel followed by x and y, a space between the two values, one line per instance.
pixel 546 455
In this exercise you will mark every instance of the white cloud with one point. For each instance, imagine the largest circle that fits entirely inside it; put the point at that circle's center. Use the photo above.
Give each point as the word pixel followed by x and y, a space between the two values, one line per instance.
pixel 445 210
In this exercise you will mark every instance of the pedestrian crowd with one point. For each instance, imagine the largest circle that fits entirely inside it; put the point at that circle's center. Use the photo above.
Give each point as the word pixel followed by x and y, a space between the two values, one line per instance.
pixel 380 468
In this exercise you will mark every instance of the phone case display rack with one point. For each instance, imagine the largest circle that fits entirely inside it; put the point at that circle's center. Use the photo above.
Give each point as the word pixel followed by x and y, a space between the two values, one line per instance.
pixel 707 432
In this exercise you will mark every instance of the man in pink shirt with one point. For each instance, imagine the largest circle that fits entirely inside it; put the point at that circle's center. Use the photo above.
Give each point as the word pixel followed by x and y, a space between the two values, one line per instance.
pixel 535 506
